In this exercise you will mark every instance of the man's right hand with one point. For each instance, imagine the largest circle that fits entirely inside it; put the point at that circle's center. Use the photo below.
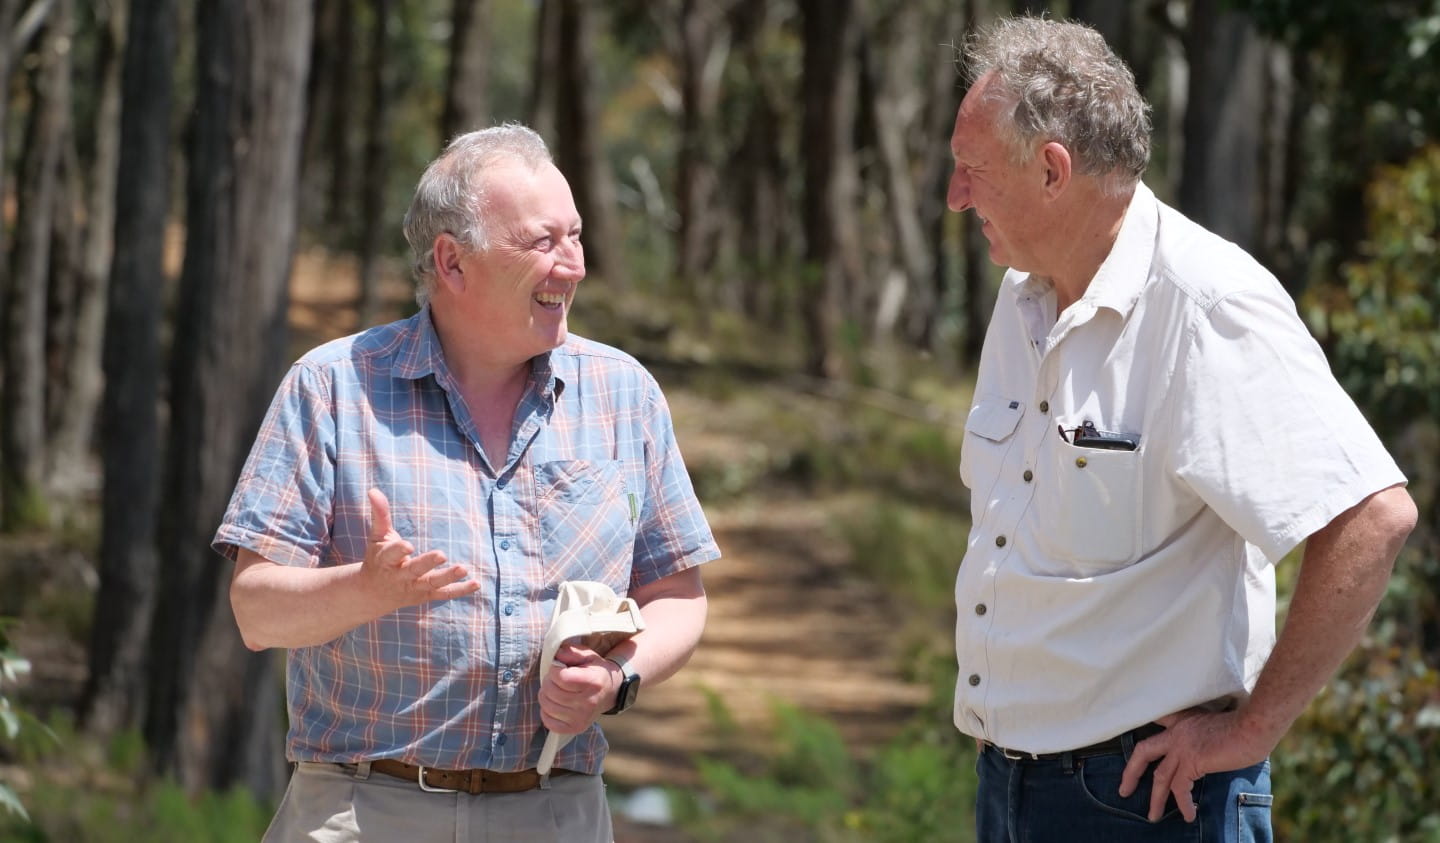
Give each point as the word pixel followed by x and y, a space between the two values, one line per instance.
pixel 395 577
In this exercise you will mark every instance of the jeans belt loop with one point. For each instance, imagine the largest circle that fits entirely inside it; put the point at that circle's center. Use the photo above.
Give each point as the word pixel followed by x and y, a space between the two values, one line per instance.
pixel 362 771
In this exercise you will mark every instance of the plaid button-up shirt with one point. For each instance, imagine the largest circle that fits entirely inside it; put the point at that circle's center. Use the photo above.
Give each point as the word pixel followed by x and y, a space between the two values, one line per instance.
pixel 593 488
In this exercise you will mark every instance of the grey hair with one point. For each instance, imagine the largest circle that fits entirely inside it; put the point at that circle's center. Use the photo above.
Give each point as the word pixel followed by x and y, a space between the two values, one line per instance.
pixel 451 196
pixel 1065 85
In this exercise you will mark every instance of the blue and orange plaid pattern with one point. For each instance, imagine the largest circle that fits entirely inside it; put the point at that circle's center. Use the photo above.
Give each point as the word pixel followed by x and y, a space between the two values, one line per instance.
pixel 594 488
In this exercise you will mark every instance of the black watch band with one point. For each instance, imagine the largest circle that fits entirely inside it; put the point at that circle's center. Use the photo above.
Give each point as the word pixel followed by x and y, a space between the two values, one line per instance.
pixel 629 687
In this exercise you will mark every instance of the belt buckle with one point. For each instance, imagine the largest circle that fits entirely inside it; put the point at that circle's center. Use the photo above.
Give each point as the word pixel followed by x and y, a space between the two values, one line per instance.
pixel 420 780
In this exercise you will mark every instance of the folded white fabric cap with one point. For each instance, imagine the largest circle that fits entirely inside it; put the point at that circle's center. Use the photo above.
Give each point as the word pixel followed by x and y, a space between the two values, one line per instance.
pixel 590 611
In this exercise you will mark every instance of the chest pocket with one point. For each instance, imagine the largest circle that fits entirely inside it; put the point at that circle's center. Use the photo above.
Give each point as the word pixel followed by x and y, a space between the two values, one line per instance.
pixel 1088 508
pixel 587 521
pixel 988 431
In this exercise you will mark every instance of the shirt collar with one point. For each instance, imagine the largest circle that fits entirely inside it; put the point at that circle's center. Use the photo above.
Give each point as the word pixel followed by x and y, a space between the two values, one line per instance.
pixel 1118 282
pixel 421 354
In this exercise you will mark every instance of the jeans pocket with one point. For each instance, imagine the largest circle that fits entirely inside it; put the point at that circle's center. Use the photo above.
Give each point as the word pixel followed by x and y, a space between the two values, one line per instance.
pixel 1100 777
pixel 1252 815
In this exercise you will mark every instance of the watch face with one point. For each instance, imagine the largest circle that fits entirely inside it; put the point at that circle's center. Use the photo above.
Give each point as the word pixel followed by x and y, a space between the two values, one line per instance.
pixel 629 691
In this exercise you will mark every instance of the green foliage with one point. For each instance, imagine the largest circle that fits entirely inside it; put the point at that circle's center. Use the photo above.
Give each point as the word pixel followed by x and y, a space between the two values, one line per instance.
pixel 915 550
pixel 101 795
pixel 16 725
pixel 1380 322
pixel 810 786
pixel 1360 763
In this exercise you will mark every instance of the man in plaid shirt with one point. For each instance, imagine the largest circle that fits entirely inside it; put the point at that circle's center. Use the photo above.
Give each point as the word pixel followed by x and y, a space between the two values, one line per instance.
pixel 416 496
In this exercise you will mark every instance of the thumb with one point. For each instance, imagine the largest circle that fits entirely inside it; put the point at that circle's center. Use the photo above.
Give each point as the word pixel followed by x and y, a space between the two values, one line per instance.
pixel 379 516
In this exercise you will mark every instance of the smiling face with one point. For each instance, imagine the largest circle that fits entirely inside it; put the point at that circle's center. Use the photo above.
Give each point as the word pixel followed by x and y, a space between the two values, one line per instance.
pixel 517 292
pixel 1007 196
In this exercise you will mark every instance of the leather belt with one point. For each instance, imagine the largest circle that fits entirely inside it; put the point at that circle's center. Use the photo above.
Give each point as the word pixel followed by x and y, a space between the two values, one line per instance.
pixel 1113 746
pixel 463 781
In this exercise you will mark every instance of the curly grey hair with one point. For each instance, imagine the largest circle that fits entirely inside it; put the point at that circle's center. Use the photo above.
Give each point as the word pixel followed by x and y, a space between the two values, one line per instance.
pixel 450 198
pixel 1066 85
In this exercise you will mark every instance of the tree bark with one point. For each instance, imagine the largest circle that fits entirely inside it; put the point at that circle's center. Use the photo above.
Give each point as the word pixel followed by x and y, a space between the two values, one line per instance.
pixel 701 46
pixel 578 149
pixel 208 699
pixel 1220 184
pixel 377 162
pixel 114 696
pixel 74 423
pixel 828 91
pixel 22 414
pixel 544 82
pixel 467 86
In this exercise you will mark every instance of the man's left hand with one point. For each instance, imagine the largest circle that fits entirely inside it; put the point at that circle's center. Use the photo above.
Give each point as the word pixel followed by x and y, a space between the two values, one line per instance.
pixel 1194 743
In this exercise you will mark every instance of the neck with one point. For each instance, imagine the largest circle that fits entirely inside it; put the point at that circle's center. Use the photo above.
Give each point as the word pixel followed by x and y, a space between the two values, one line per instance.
pixel 477 368
pixel 1090 225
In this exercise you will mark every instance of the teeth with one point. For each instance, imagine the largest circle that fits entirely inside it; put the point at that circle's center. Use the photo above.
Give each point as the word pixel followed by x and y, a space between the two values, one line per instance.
pixel 550 298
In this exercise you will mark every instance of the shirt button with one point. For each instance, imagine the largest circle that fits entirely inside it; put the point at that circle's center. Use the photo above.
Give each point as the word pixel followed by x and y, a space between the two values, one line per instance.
pixel 1044 406
pixel 980 608
pixel 1028 475
pixel 509 609
pixel 999 541
pixel 1081 462
pixel 509 676
pixel 505 545
pixel 974 679
pixel 500 741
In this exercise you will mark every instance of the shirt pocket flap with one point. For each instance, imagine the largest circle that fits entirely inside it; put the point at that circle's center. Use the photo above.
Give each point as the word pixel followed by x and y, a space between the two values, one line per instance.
pixel 994 418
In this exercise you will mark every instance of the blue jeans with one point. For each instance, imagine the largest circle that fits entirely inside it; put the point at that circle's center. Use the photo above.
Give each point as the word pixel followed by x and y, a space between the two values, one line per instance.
pixel 1078 801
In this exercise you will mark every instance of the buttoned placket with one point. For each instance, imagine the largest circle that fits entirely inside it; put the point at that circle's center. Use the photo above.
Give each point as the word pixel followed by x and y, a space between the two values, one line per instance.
pixel 508 535
pixel 1005 518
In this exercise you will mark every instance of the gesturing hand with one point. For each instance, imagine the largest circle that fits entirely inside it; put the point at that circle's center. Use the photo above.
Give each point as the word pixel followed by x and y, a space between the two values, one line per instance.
pixel 397 578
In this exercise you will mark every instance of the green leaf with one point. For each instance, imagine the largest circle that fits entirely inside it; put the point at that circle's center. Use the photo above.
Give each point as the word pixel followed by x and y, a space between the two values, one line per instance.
pixel 11 802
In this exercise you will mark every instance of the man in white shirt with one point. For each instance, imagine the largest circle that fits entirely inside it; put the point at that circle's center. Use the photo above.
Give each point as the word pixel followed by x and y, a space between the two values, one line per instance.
pixel 1153 429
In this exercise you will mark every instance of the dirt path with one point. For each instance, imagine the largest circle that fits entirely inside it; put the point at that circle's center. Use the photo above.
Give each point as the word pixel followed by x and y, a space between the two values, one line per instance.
pixel 786 623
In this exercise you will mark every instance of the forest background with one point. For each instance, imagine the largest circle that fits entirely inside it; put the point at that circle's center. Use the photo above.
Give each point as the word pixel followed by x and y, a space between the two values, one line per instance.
pixel 195 193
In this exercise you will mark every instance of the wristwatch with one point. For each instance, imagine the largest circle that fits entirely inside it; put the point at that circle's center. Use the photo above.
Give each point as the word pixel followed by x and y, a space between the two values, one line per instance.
pixel 629 687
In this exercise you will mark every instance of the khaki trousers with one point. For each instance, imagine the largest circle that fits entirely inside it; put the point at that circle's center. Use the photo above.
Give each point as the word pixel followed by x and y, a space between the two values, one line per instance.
pixel 330 803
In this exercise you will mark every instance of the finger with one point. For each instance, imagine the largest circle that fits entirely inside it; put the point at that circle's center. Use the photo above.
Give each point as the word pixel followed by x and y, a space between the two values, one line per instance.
pixel 425 563
pixel 1160 788
pixel 1145 752
pixel 459 589
pixel 379 516
pixel 1183 790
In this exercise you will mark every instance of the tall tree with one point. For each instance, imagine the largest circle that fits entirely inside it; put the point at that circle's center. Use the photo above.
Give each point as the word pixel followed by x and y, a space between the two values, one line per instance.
pixel 377 159
pixel 22 414
pixel 1220 181
pixel 89 219
pixel 578 149
pixel 211 711
pixel 130 450
pixel 467 94
pixel 828 89
pixel 699 38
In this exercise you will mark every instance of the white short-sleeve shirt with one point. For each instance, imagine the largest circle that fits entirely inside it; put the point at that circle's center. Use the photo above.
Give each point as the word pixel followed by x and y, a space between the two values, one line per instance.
pixel 1102 589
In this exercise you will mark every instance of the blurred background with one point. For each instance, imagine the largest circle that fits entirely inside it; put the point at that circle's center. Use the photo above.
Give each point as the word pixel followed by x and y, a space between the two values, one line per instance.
pixel 194 193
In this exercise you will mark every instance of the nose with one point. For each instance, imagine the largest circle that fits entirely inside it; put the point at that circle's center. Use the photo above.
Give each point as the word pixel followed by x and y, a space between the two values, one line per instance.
pixel 958 197
pixel 570 262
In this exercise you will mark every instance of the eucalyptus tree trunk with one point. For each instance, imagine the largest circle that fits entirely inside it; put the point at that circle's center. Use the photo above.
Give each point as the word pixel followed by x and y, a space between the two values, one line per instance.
pixel 828 91
pixel 213 707
pixel 1220 182
pixel 114 692
pixel 23 436
pixel 578 149
pixel 467 95
pixel 73 408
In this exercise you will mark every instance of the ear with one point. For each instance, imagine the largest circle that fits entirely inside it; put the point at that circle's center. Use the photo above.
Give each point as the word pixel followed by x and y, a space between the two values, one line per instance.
pixel 1055 159
pixel 447 253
